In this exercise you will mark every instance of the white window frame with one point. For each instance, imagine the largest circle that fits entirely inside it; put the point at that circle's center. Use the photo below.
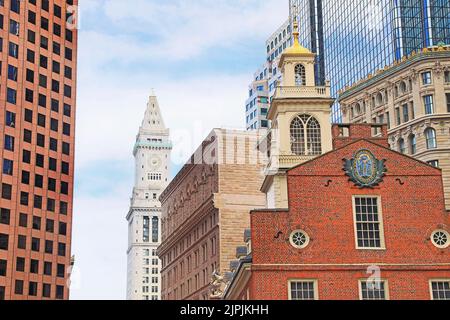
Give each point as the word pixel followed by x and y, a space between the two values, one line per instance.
pixel 430 282
pixel 316 288
pixel 386 288
pixel 380 218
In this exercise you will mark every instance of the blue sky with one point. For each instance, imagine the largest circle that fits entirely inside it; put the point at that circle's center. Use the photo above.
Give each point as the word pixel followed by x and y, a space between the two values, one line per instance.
pixel 200 56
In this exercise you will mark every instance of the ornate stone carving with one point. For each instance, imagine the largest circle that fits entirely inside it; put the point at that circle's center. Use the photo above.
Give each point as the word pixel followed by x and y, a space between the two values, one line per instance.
pixel 218 284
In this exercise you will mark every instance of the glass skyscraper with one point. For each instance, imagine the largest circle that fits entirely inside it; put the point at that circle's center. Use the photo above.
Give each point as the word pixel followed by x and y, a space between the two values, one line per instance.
pixel 355 38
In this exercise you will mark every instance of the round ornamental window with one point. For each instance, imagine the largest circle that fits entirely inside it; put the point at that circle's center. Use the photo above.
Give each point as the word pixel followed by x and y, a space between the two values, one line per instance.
pixel 299 239
pixel 441 239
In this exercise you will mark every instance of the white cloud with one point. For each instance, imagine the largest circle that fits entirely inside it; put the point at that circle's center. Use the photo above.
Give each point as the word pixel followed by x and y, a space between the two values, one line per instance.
pixel 111 104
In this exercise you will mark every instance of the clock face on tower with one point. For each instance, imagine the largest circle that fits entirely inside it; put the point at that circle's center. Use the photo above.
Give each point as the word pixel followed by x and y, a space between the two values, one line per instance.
pixel 155 162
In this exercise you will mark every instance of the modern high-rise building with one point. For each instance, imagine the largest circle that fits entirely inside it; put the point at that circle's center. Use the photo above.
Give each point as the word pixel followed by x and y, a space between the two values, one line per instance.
pixel 266 78
pixel 355 38
pixel 152 167
pixel 38 49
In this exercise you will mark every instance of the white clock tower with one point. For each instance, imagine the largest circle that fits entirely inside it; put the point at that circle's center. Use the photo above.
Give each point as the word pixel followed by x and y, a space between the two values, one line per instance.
pixel 152 159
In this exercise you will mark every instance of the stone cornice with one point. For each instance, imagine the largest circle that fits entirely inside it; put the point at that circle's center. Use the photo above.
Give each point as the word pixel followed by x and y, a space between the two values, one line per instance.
pixel 384 75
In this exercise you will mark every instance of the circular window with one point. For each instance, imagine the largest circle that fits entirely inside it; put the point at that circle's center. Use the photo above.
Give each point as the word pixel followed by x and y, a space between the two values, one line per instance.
pixel 441 239
pixel 299 239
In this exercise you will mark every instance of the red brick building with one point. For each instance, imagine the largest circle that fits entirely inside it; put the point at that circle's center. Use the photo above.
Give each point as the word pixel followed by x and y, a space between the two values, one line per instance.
pixel 357 227
pixel 38 49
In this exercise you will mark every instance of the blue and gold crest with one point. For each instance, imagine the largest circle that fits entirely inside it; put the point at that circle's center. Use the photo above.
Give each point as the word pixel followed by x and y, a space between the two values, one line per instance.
pixel 364 169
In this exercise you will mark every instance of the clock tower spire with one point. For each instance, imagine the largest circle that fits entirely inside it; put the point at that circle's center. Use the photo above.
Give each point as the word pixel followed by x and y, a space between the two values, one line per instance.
pixel 152 164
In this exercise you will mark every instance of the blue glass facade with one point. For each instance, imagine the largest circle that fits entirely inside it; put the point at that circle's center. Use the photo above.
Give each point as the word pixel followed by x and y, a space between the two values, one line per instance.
pixel 355 38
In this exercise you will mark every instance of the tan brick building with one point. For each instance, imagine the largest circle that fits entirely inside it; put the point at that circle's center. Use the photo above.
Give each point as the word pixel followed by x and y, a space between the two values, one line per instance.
pixel 205 211
pixel 413 98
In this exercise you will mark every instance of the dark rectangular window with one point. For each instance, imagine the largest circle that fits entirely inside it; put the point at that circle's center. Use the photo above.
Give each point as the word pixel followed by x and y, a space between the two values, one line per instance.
pixel 29 95
pixel 44 23
pixel 41 120
pixel 49 246
pixel 60 271
pixel 65 167
pixel 12 73
pixel 11 95
pixel 2 293
pixel 35 244
pixel 37 202
pixel 44 42
pixel 55 105
pixel 51 184
pixel 6 191
pixel 13 50
pixel 4 238
pixel 32 289
pixel 20 264
pixel 52 164
pixel 63 207
pixel 66 129
pixel 57 29
pixel 10 119
pixel 36 223
pixel 27 135
pixel 67 110
pixel 64 187
pixel 45 5
pixel 38 181
pixel 51 205
pixel 46 290
pixel 22 242
pixel 25 177
pixel 43 61
pixel 34 266
pixel 40 160
pixel 59 292
pixel 32 17
pixel 53 144
pixel 14 27
pixel 31 36
pixel 40 140
pixel 43 81
pixel 28 117
pixel 3 265
pixel 30 76
pixel 66 148
pixel 30 56
pixel 23 220
pixel 9 143
pixel 55 86
pixel 8 167
pixel 24 198
pixel 42 103
pixel 68 72
pixel 54 124
pixel 18 287
pixel 56 48
pixel 15 6
pixel 56 68
pixel 62 228
pixel 48 268
pixel 67 91
pixel 5 215
pixel 448 101
pixel 61 249
pixel 26 156
pixel 68 53
pixel 50 225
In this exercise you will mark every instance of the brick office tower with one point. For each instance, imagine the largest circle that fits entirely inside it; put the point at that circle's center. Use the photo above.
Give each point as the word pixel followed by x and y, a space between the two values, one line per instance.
pixel 38 46
pixel 363 222
pixel 205 211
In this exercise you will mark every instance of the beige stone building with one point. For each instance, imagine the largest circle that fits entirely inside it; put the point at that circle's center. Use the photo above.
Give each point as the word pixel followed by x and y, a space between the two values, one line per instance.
pixel 413 98
pixel 205 211
pixel 300 121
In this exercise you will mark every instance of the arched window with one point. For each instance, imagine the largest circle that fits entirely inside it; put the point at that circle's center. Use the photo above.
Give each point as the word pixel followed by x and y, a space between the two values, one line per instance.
pixel 306 136
pixel 401 145
pixel 300 75
pixel 412 144
pixel 430 135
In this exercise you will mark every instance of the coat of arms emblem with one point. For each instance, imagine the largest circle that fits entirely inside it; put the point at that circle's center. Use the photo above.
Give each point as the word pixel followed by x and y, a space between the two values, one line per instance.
pixel 364 169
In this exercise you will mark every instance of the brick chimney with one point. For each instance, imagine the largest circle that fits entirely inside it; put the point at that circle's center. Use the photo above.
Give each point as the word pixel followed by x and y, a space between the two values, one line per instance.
pixel 344 134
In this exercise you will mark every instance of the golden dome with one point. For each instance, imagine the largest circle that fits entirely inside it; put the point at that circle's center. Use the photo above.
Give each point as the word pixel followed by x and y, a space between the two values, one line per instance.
pixel 296 48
